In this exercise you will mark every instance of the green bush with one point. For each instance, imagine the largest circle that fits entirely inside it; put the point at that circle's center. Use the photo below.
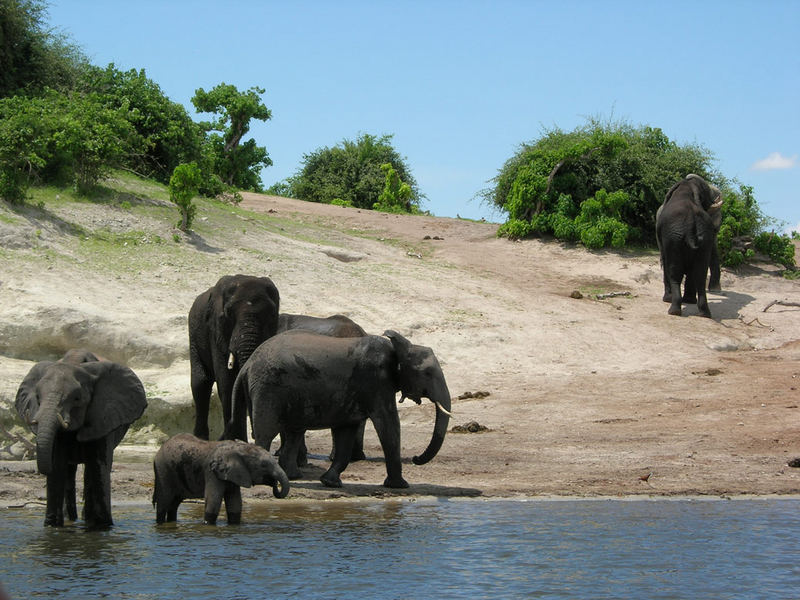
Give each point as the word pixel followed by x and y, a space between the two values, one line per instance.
pixel 602 184
pixel 182 188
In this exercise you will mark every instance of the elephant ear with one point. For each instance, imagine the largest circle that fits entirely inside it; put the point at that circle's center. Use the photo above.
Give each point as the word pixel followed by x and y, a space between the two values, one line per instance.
pixel 27 402
pixel 226 464
pixel 118 399
pixel 401 345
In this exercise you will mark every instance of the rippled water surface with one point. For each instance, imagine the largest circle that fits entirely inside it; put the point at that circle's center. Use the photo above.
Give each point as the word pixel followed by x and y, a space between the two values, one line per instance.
pixel 449 549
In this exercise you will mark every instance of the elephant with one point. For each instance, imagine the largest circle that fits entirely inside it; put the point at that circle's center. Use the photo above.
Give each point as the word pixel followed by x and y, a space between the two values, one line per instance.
pixel 227 322
pixel 79 413
pixel 335 326
pixel 687 224
pixel 299 380
pixel 187 467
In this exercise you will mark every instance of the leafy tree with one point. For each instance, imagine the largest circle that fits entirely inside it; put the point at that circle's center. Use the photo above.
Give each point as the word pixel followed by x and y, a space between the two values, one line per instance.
pixel 32 56
pixel 183 186
pixel 351 173
pixel 237 163
pixel 24 134
pixel 168 134
pixel 89 138
pixel 396 195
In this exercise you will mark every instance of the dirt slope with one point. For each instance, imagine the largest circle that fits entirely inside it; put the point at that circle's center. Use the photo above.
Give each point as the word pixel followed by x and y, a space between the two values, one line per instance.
pixel 579 396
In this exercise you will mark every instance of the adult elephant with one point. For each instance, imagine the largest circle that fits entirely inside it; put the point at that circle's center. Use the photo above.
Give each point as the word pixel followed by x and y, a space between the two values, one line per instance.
pixel 686 230
pixel 188 467
pixel 227 323
pixel 299 380
pixel 79 413
pixel 334 326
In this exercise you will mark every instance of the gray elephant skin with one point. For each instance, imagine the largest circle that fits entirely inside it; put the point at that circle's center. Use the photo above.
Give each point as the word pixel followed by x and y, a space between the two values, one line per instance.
pixel 334 326
pixel 298 380
pixel 227 323
pixel 687 224
pixel 79 411
pixel 187 467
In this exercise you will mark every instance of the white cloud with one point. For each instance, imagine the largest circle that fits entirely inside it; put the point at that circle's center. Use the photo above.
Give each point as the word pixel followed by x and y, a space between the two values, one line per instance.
pixel 775 161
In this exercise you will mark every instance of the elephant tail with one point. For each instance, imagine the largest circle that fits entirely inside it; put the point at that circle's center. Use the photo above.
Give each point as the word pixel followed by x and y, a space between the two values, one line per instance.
pixel 155 483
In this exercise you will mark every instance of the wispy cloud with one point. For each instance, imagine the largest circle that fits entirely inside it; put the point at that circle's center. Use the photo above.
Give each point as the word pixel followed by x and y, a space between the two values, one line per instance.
pixel 775 161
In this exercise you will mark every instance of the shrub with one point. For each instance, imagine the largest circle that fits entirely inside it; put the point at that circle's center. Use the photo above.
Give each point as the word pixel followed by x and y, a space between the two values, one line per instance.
pixel 182 188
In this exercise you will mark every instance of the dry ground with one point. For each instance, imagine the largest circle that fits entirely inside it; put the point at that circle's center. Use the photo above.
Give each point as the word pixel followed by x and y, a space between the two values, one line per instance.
pixel 579 396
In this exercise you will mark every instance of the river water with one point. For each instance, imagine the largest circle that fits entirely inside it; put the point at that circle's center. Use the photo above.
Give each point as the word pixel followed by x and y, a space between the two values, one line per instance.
pixel 662 548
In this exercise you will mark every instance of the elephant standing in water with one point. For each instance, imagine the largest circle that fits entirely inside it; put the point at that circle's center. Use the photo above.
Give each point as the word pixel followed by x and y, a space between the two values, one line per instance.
pixel 188 467
pixel 687 224
pixel 227 322
pixel 298 380
pixel 79 413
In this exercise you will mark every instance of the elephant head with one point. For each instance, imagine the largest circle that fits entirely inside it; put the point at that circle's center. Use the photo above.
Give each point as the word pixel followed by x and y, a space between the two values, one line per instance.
pixel 704 195
pixel 247 465
pixel 90 399
pixel 419 375
pixel 247 310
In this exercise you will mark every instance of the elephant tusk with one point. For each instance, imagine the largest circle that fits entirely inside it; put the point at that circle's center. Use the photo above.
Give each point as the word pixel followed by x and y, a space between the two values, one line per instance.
pixel 231 361
pixel 64 422
pixel 716 206
pixel 443 409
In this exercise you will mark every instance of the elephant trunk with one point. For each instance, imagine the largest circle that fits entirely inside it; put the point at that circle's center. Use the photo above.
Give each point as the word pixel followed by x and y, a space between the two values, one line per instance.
pixel 243 344
pixel 441 398
pixel 280 487
pixel 48 427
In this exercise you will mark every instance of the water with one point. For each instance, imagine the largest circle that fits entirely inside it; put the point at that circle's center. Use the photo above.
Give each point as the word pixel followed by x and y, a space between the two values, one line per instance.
pixel 448 549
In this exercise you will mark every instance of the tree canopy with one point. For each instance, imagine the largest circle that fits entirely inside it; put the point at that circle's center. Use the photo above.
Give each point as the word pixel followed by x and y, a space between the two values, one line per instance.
pixel 32 56
pixel 351 173
pixel 238 163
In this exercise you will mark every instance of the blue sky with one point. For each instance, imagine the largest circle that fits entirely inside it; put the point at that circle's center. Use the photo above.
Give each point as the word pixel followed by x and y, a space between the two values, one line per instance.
pixel 461 84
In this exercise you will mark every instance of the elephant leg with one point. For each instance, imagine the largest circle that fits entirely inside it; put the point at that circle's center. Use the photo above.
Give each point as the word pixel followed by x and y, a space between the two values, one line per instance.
pixel 358 445
pixel 214 494
pixel 667 297
pixel 289 450
pixel 302 452
pixel 343 439
pixel 387 426
pixel 699 274
pixel 97 494
pixel 689 290
pixel 233 504
pixel 714 279
pixel 70 503
pixel 201 392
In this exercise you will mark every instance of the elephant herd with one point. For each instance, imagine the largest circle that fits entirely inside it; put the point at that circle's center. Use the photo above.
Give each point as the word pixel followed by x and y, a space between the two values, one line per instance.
pixel 288 373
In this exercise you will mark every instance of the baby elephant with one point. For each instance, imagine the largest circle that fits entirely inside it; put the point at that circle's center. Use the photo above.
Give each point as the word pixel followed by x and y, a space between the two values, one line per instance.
pixel 188 467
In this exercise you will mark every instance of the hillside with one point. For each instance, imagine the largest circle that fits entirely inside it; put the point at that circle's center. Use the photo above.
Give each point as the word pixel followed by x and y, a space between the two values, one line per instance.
pixel 581 396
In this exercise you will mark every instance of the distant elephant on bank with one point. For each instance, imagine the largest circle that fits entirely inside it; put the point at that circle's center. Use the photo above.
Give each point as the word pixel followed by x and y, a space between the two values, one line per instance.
pixel 298 380
pixel 227 322
pixel 334 326
pixel 79 413
pixel 187 467
pixel 687 224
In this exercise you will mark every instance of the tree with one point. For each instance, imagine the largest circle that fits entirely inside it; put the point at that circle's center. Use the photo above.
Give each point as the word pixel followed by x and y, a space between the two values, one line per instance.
pixel 183 184
pixel 238 163
pixel 32 56
pixel 396 195
pixel 168 134
pixel 351 173
pixel 24 134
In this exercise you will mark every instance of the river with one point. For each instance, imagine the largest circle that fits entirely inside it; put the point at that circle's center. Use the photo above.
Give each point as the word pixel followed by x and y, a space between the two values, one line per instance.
pixel 600 548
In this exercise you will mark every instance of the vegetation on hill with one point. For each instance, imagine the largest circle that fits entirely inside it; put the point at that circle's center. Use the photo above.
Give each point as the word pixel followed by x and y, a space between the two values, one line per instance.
pixel 352 174
pixel 602 184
